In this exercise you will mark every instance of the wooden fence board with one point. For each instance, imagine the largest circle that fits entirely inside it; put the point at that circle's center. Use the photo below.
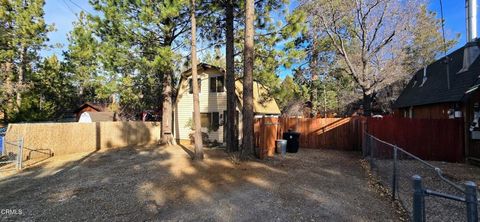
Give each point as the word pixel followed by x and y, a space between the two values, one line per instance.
pixel 315 133
pixel 429 139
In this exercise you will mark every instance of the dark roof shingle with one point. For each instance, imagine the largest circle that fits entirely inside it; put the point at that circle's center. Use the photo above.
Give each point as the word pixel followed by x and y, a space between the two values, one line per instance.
pixel 435 89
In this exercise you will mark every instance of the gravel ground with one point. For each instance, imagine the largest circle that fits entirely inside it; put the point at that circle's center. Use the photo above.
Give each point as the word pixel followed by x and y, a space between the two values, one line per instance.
pixel 162 183
pixel 436 208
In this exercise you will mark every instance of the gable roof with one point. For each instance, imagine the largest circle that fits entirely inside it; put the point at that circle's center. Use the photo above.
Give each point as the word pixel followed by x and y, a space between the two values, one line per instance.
pixel 435 89
pixel 201 66
pixel 262 102
pixel 96 106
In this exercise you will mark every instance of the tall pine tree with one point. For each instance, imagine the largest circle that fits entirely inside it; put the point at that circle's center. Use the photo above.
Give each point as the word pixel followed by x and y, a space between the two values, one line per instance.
pixel 248 63
pixel 196 102
pixel 24 33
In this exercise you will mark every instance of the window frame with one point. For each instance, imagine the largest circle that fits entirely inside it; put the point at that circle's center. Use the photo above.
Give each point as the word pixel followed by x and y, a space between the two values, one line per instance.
pixel 214 87
pixel 190 85
pixel 211 117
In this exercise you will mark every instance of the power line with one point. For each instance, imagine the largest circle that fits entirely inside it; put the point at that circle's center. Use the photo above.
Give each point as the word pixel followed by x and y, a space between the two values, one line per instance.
pixel 80 7
pixel 70 9
pixel 443 29
pixel 445 45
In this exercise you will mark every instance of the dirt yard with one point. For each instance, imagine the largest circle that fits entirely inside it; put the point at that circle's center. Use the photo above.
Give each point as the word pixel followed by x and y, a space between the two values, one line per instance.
pixel 162 183
pixel 436 208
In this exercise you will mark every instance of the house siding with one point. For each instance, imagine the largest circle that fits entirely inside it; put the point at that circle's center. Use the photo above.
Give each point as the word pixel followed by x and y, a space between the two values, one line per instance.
pixel 209 102
pixel 86 109
pixel 433 111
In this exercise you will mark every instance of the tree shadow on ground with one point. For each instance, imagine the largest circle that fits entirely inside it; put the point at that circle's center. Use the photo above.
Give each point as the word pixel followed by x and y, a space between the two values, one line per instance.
pixel 187 150
pixel 162 183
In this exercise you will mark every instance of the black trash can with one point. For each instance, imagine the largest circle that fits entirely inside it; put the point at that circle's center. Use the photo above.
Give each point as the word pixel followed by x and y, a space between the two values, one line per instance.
pixel 293 140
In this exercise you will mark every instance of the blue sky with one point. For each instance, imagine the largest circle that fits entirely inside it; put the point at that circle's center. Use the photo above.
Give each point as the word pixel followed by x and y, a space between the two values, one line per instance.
pixel 454 13
pixel 62 14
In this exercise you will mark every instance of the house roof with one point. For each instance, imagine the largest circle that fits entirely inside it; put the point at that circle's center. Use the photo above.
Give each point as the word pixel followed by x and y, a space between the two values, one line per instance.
pixel 96 106
pixel 201 66
pixel 435 89
pixel 262 104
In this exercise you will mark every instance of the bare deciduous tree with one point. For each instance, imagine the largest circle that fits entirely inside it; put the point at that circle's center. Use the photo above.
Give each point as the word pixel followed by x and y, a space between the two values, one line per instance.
pixel 369 36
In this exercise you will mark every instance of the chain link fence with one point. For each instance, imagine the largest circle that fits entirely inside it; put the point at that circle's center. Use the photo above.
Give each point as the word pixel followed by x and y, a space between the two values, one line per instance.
pixel 12 152
pixel 394 168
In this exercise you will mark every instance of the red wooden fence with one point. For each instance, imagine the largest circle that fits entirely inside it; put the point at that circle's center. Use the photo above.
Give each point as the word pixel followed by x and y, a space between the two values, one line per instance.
pixel 432 139
pixel 315 133
pixel 429 139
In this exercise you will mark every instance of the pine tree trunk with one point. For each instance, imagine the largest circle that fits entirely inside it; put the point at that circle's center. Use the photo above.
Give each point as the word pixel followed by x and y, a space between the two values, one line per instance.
pixel 247 141
pixel 21 77
pixel 231 137
pixel 167 136
pixel 167 94
pixel 196 103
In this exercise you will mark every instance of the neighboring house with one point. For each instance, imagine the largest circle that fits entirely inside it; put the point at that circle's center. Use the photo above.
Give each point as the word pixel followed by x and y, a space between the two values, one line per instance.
pixel 92 117
pixel 435 93
pixel 89 107
pixel 213 103
pixel 432 94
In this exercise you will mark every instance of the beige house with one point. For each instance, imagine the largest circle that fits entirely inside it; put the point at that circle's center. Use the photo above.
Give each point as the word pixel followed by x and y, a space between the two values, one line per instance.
pixel 213 103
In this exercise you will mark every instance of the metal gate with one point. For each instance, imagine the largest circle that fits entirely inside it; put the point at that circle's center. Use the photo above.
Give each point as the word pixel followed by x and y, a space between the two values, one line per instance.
pixel 12 152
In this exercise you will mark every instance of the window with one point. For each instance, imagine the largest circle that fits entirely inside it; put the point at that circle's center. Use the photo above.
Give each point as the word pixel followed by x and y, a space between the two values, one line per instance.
pixel 210 120
pixel 205 119
pixel 190 85
pixel 217 84
pixel 215 120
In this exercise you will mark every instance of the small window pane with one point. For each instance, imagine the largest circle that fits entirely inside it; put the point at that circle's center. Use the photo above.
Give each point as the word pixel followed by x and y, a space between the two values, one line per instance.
pixel 220 84
pixel 199 85
pixel 212 84
pixel 190 84
pixel 215 120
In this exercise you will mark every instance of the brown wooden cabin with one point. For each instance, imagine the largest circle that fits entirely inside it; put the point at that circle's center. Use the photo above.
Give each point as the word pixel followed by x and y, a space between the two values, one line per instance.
pixel 448 91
